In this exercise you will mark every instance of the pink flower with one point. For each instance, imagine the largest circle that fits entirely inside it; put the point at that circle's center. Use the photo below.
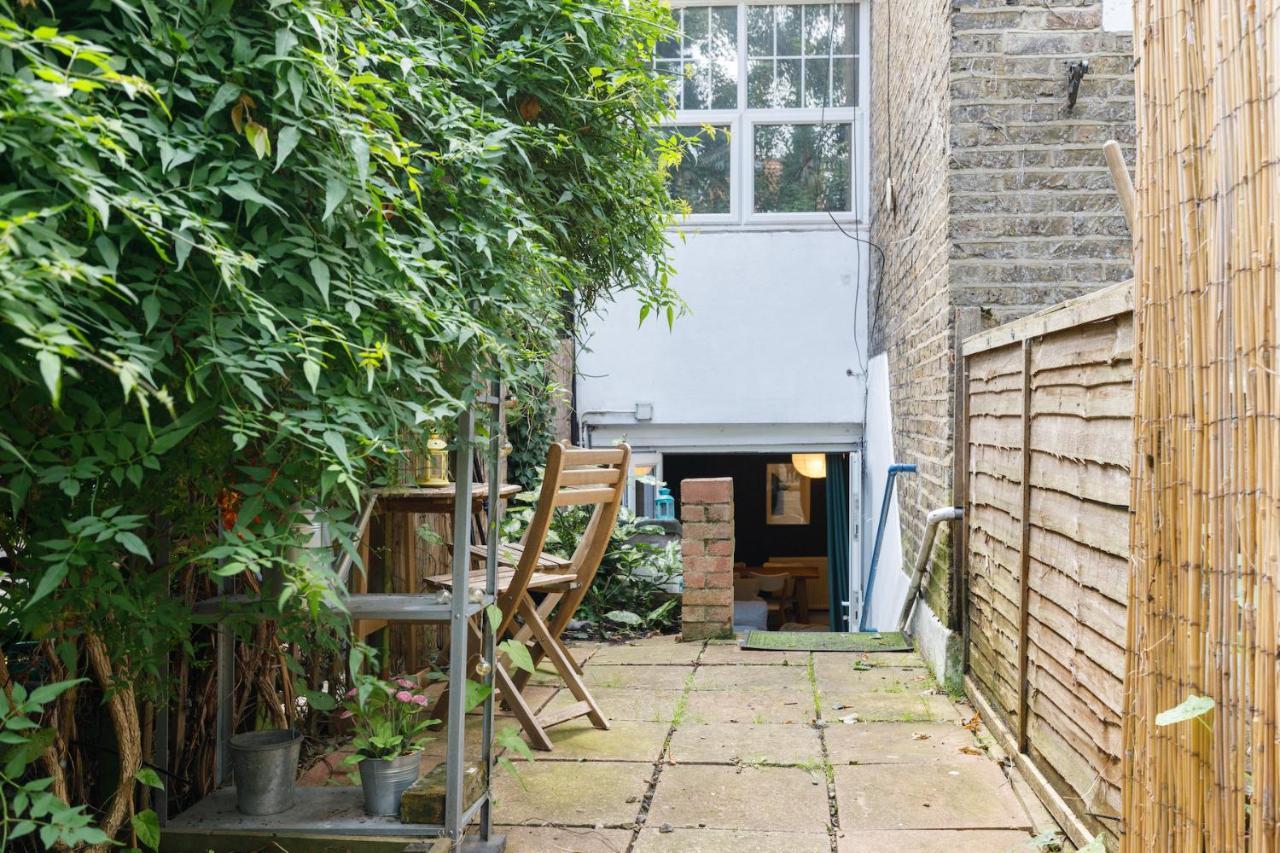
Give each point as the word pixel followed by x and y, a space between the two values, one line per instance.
pixel 421 699
pixel 345 715
pixel 404 696
pixel 406 683
pixel 351 692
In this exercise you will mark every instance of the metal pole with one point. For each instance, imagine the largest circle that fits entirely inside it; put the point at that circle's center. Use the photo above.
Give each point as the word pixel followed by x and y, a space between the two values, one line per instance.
pixel 493 542
pixel 457 711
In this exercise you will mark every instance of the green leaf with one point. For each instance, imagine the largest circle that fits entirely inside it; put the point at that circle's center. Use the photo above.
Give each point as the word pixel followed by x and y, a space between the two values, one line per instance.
pixel 360 150
pixel 149 777
pixel 48 582
pixel 320 273
pixel 477 692
pixel 133 544
pixel 147 825
pixel 285 143
pixel 335 190
pixel 46 693
pixel 51 371
pixel 311 370
pixel 494 616
pixel 518 652
pixel 151 305
pixel 1190 708
pixel 338 444
pixel 624 617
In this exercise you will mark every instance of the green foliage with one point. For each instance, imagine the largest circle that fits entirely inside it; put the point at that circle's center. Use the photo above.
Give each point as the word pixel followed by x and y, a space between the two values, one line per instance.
pixel 29 806
pixel 628 593
pixel 247 252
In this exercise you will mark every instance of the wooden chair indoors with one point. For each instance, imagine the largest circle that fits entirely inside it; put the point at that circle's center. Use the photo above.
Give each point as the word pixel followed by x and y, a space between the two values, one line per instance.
pixel 573 477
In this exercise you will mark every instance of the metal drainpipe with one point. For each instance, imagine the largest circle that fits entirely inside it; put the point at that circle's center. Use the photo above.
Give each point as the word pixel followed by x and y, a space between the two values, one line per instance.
pixel 948 513
pixel 894 471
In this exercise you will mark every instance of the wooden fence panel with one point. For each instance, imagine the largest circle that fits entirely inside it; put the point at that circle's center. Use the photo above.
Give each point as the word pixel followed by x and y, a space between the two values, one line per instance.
pixel 1049 437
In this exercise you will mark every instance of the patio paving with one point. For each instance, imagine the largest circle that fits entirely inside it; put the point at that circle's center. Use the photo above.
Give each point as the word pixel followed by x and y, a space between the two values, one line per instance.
pixel 718 750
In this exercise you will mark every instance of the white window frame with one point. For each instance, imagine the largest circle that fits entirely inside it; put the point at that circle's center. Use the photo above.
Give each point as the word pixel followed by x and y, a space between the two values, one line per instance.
pixel 743 120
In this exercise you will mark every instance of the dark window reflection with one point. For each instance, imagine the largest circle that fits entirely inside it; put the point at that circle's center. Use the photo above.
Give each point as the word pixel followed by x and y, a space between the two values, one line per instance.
pixel 702 178
pixel 801 167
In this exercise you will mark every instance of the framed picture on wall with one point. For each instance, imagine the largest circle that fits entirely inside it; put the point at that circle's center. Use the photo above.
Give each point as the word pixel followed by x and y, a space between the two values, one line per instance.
pixel 786 495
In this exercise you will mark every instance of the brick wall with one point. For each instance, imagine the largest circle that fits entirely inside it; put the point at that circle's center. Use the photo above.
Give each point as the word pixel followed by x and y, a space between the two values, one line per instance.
pixel 911 306
pixel 706 513
pixel 1003 200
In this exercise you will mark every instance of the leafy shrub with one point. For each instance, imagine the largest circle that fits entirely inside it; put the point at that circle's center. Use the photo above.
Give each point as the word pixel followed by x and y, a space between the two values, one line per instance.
pixel 246 251
pixel 628 593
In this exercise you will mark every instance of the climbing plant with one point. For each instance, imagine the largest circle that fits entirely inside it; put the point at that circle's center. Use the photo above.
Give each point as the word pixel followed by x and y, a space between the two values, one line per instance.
pixel 246 251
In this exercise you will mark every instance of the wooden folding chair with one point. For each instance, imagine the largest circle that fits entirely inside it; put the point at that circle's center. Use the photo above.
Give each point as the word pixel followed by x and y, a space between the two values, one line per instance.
pixel 573 477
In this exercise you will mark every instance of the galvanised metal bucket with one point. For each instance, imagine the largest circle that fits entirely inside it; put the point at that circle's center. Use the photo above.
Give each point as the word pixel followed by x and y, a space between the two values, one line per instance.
pixel 264 766
pixel 385 780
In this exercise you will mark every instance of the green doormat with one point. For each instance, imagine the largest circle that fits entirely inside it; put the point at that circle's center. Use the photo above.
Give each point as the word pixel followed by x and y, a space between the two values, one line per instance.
pixel 823 641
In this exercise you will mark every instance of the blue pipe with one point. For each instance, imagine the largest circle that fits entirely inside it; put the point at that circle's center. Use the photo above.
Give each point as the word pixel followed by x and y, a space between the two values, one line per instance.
pixel 894 471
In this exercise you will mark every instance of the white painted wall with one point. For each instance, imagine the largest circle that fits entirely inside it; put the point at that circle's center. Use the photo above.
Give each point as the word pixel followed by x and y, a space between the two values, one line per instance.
pixel 1117 16
pixel 766 356
pixel 891 583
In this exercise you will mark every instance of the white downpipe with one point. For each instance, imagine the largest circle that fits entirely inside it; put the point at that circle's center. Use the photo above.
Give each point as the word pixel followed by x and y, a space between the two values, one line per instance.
pixel 932 520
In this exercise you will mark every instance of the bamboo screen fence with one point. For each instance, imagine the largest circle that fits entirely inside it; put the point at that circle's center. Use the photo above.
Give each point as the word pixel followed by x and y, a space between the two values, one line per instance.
pixel 1048 420
pixel 1206 544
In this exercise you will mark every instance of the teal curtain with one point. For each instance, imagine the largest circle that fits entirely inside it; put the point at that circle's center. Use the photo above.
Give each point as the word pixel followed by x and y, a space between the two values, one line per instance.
pixel 838 538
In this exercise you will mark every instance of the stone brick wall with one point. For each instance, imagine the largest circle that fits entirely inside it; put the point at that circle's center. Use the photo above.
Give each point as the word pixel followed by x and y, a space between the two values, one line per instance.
pixel 1002 198
pixel 1034 215
pixel 706 513
pixel 911 305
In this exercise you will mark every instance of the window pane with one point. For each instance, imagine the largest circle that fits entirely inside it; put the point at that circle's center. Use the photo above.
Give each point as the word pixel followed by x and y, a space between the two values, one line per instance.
pixel 707 42
pixel 844 71
pixel 829 31
pixel 789 30
pixel 702 178
pixel 760 30
pixel 802 168
pixel 809 37
pixel 816 83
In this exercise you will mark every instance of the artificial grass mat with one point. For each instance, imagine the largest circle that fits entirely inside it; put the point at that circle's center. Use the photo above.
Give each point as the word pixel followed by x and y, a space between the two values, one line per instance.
pixel 825 641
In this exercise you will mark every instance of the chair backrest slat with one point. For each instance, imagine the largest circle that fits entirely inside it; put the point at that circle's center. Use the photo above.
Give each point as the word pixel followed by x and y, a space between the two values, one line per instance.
pixel 589 476
pixel 581 497
pixel 576 457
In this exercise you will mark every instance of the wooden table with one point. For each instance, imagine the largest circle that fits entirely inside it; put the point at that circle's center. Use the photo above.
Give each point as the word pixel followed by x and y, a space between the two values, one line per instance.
pixel 436 499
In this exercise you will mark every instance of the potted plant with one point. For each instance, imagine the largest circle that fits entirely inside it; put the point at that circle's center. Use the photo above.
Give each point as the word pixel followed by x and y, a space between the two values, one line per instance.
pixel 390 723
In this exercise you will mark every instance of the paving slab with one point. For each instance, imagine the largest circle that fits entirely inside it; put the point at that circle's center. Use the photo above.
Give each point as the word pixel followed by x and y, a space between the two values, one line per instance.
pixel 777 799
pixel 625 740
pixel 658 650
pixel 840 704
pixel 969 795
pixel 556 839
pixel 750 706
pixel 746 743
pixel 831 675
pixel 937 841
pixel 752 678
pixel 624 703
pixel 721 653
pixel 571 793
pixel 900 743
pixel 730 841
pixel 637 677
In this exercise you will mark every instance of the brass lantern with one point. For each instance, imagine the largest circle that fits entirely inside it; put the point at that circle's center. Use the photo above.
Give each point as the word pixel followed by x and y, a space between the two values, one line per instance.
pixel 435 469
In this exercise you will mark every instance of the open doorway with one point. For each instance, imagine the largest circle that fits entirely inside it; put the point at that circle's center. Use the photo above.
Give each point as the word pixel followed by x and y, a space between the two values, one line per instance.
pixel 782 522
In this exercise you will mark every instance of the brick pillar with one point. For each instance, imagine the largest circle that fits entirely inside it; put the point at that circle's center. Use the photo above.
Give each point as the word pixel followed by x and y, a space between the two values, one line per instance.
pixel 706 510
